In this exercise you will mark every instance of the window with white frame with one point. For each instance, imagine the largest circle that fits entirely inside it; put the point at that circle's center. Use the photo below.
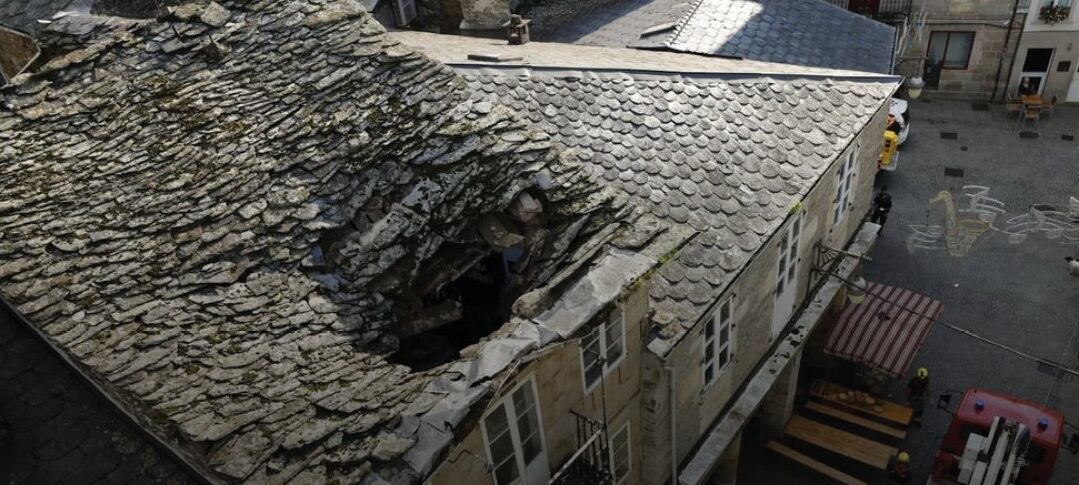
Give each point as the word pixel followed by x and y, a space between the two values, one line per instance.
pixel 620 454
pixel 514 438
pixel 1059 3
pixel 603 348
pixel 844 187
pixel 718 341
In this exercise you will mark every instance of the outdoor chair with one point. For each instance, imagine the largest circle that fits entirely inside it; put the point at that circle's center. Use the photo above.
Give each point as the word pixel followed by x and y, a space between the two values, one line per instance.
pixel 1015 108
pixel 1048 109
pixel 1032 114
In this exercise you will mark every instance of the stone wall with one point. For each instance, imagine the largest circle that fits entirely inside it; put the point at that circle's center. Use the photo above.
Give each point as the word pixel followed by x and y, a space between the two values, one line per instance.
pixel 697 409
pixel 966 9
pixel 989 20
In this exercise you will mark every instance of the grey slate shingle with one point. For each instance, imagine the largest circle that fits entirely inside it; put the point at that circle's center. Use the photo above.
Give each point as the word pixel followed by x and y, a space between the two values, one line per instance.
pixel 723 152
pixel 728 158
pixel 801 32
pixel 614 23
pixel 23 15
pixel 164 197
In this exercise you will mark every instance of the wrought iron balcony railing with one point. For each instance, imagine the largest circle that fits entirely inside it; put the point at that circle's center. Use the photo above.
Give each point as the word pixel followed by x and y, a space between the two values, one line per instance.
pixel 590 464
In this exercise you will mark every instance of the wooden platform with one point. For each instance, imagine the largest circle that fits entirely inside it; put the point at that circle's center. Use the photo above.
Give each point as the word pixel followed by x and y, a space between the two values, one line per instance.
pixel 855 420
pixel 846 444
pixel 813 464
pixel 889 411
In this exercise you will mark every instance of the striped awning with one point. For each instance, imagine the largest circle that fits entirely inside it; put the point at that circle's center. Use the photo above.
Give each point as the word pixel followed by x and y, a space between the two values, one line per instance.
pixel 884 331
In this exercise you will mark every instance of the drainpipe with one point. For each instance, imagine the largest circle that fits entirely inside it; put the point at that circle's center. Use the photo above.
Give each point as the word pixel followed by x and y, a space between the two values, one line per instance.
pixel 1007 38
pixel 674 423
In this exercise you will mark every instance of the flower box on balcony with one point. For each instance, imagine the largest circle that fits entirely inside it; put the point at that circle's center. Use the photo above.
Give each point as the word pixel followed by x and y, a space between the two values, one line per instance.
pixel 1052 14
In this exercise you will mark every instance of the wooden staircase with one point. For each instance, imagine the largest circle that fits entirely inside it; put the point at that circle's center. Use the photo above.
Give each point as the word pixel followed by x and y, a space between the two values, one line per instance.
pixel 846 443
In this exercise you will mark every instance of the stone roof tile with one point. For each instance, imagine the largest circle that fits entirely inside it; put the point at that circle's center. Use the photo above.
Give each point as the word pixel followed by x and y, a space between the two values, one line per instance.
pixel 806 32
pixel 753 174
pixel 220 245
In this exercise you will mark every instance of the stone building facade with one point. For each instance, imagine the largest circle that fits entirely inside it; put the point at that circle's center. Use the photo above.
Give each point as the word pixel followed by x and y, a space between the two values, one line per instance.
pixel 665 128
pixel 964 47
pixel 1048 53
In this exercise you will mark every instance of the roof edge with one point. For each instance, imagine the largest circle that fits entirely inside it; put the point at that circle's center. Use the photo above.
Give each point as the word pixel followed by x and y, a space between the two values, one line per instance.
pixel 646 74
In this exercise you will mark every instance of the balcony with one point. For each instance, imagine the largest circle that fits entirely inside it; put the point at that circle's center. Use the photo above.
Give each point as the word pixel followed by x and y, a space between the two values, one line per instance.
pixel 1054 14
pixel 879 9
pixel 590 464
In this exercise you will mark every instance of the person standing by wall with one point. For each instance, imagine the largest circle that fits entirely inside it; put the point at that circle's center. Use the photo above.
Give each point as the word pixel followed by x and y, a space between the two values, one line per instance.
pixel 882 205
pixel 917 390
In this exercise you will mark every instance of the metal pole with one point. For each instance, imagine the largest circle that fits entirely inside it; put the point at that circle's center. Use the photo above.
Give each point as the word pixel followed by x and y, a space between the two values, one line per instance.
pixel 1003 52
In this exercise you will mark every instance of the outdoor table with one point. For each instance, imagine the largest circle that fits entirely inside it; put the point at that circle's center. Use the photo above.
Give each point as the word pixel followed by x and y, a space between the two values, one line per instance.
pixel 889 411
pixel 1032 100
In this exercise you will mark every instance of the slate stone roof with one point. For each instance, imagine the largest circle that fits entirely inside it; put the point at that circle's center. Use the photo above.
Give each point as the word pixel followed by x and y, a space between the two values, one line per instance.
pixel 724 153
pixel 613 23
pixel 169 192
pixel 801 32
pixel 23 15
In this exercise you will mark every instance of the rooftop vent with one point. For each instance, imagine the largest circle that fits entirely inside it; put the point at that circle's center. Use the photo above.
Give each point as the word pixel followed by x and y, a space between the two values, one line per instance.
pixel 518 30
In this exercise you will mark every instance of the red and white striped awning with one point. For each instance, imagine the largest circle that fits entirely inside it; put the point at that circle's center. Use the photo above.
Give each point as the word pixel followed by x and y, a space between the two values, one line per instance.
pixel 884 331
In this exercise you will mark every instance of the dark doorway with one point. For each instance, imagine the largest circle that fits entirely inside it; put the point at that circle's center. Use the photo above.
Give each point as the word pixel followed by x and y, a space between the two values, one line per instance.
pixel 1037 60
pixel 1036 67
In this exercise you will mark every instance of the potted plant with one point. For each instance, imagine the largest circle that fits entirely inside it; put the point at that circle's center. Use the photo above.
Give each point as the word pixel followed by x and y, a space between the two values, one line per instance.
pixel 1054 14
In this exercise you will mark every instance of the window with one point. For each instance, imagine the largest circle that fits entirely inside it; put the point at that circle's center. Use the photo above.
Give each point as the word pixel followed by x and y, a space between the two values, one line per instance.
pixel 620 459
pixel 950 50
pixel 608 341
pixel 514 438
pixel 1058 3
pixel 717 352
pixel 844 186
pixel 787 267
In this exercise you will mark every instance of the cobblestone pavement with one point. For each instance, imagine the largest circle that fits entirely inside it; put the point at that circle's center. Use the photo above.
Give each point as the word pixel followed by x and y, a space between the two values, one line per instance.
pixel 1016 294
pixel 55 430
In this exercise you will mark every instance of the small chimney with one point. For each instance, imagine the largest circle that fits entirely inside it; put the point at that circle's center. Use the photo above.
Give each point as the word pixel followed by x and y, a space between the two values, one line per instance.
pixel 518 30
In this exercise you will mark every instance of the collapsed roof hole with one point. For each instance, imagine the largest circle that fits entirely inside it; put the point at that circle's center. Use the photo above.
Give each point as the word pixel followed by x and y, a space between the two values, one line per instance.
pixel 466 290
pixel 472 307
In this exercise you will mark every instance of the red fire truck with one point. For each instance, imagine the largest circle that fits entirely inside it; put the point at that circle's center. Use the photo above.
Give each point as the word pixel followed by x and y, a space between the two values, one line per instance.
pixel 998 439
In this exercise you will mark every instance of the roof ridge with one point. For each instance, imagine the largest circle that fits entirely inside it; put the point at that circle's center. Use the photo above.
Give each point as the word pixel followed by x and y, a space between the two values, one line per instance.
pixel 681 24
pixel 570 71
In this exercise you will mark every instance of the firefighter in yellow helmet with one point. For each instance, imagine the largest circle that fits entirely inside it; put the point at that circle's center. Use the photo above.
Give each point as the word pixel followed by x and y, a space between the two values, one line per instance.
pixel 899 471
pixel 917 390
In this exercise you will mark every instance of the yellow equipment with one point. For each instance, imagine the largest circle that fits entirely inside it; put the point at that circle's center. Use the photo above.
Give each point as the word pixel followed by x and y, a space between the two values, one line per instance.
pixel 888 157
